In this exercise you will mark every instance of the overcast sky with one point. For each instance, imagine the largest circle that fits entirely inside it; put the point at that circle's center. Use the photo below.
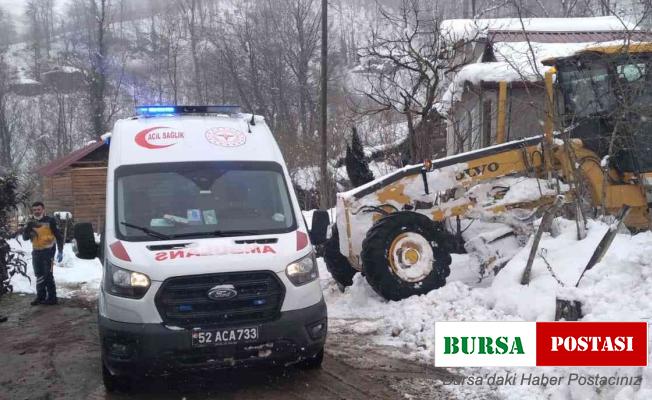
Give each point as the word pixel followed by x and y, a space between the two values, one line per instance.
pixel 17 8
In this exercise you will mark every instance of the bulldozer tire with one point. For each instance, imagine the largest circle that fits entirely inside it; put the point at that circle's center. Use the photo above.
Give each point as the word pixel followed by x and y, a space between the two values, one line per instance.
pixel 404 254
pixel 336 263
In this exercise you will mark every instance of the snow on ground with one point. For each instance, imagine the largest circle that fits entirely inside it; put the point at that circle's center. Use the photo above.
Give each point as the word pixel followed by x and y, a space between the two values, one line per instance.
pixel 619 289
pixel 74 277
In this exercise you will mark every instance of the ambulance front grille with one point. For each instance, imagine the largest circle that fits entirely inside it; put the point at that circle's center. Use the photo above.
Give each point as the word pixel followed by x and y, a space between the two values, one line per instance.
pixel 183 301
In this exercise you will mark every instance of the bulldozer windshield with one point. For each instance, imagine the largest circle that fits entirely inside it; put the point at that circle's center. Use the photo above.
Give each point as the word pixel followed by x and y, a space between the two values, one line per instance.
pixel 608 104
pixel 587 89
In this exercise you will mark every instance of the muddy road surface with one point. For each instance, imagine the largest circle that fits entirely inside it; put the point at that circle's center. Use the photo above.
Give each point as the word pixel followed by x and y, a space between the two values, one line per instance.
pixel 52 352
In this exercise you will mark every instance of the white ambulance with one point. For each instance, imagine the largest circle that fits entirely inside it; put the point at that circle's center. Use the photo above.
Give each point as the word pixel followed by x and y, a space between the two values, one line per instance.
pixel 207 258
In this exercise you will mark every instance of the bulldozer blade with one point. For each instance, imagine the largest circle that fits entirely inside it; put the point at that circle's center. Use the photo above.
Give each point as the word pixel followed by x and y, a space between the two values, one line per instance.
pixel 571 310
pixel 606 241
pixel 546 221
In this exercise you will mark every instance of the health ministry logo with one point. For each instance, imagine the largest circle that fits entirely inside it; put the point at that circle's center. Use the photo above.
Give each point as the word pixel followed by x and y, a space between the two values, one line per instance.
pixel 514 344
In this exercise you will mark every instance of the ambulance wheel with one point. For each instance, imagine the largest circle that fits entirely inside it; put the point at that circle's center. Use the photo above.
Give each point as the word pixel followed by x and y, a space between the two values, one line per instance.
pixel 115 383
pixel 404 254
pixel 85 239
pixel 336 263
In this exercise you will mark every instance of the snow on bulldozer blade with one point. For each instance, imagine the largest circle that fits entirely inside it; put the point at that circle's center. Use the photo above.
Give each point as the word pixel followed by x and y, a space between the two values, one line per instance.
pixel 619 288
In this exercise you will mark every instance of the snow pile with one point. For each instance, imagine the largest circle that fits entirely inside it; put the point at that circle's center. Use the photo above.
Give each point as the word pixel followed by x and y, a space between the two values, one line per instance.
pixel 408 324
pixel 567 258
pixel 73 278
pixel 514 189
pixel 617 289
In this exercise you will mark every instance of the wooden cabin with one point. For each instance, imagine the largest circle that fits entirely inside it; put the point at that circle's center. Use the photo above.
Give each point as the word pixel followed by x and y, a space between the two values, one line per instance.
pixel 77 183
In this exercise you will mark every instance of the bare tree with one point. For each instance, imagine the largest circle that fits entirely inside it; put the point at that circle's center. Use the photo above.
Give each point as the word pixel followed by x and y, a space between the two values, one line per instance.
pixel 87 50
pixel 41 21
pixel 194 17
pixel 171 44
pixel 6 132
pixel 253 55
pixel 408 60
pixel 97 73
pixel 301 35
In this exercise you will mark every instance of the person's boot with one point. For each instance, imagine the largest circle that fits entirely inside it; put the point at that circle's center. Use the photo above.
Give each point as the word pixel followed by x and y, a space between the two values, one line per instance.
pixel 51 302
pixel 3 319
pixel 36 302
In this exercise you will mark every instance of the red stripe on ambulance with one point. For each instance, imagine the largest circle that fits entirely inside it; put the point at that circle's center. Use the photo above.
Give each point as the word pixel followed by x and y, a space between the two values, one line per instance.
pixel 213 251
pixel 158 137
pixel 119 251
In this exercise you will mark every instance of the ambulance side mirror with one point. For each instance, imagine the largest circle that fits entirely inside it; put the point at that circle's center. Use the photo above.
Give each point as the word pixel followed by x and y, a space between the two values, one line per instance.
pixel 319 227
pixel 84 245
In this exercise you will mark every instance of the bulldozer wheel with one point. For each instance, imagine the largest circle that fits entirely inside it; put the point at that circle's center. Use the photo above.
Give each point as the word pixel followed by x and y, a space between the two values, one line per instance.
pixel 336 263
pixel 404 254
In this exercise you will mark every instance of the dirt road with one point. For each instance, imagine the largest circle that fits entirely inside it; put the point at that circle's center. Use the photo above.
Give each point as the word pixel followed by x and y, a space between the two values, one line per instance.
pixel 52 352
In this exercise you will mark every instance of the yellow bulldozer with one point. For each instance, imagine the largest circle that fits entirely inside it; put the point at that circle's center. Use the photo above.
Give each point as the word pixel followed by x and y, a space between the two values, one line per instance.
pixel 400 229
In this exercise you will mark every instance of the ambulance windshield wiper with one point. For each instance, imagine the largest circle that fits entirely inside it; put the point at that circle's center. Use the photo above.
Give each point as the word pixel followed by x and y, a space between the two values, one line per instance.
pixel 147 231
pixel 216 233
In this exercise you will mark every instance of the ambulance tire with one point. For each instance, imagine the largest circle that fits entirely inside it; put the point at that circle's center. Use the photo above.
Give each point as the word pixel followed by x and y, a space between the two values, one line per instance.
pixel 85 238
pixel 378 243
pixel 115 383
pixel 336 263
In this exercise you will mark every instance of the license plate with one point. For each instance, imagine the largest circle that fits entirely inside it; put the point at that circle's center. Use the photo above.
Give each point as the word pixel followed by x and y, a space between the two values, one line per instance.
pixel 219 337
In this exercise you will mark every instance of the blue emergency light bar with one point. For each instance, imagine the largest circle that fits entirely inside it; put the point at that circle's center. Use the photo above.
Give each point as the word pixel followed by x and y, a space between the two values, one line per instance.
pixel 152 111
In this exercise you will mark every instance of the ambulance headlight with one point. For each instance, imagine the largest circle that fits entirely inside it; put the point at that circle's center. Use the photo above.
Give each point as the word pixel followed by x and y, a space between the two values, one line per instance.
pixel 303 271
pixel 124 283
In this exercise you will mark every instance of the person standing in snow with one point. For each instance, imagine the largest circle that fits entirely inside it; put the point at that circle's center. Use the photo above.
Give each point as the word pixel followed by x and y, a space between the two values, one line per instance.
pixel 42 230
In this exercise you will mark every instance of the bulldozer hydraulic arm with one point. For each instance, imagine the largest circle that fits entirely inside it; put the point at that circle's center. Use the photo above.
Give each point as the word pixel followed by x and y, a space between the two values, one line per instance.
pixel 447 187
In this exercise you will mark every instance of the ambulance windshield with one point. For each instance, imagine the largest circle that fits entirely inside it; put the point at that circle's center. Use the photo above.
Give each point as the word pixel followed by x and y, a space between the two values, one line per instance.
pixel 201 199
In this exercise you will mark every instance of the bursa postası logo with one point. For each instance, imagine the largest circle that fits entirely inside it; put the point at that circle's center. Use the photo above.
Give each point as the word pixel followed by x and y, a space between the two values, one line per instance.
pixel 503 344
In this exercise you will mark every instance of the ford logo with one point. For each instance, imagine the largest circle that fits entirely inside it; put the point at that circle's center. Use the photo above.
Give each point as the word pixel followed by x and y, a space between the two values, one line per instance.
pixel 222 292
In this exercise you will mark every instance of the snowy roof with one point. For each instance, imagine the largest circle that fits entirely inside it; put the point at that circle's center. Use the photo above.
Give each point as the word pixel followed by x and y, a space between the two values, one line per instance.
pixel 459 29
pixel 523 60
pixel 517 61
pixel 565 37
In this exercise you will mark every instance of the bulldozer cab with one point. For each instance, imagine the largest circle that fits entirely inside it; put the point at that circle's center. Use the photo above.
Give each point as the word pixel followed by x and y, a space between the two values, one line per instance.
pixel 607 103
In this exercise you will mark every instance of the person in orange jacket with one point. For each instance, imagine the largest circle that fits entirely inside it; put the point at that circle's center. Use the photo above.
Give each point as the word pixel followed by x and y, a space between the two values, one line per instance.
pixel 42 230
